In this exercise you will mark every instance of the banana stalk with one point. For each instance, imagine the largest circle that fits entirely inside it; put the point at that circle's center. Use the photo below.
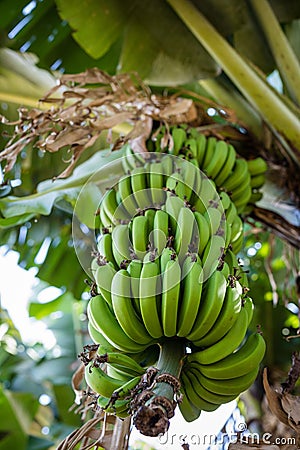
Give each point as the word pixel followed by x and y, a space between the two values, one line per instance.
pixel 151 416
pixel 256 90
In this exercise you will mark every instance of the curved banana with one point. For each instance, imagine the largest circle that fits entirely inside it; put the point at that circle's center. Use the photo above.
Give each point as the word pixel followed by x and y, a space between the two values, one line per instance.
pixel 134 269
pixel 227 167
pixel 238 176
pixel 257 181
pixel 224 347
pixel 173 206
pixel 103 277
pixel 201 146
pixel 212 298
pixel 124 309
pixel 98 338
pixel 211 143
pixel 203 234
pixel 212 255
pixel 231 386
pixel 139 187
pixel 192 275
pixel 179 136
pixel 140 236
pixel 118 359
pixel 171 278
pixel 192 395
pixel 126 195
pixel 244 360
pixel 150 298
pixel 218 159
pixel 205 394
pixel 186 236
pixel 160 232
pixel 105 322
pixel 188 411
pixel 175 184
pixel 257 166
pixel 121 245
pixel 100 382
pixel 156 184
pixel 225 320
pixel 104 247
pixel 207 195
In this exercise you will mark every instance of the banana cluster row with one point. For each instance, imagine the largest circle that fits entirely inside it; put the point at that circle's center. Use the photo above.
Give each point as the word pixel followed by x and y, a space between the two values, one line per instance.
pixel 239 177
pixel 217 375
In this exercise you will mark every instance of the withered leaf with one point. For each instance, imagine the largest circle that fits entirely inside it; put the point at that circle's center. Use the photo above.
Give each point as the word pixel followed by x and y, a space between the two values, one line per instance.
pixel 274 400
pixel 77 379
pixel 291 405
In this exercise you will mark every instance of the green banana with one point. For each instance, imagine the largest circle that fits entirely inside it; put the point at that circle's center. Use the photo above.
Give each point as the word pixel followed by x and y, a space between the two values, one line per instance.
pixel 198 402
pixel 225 320
pixel 248 305
pixel 257 166
pixel 188 411
pixel 103 277
pixel 173 206
pixel 140 236
pixel 160 232
pixel 175 184
pixel 211 143
pixel 239 363
pixel 227 167
pixel 105 247
pixel 212 298
pixel 238 176
pixel 257 181
pixel 126 195
pixel 156 184
pixel 218 159
pixel 171 278
pixel 207 195
pixel 203 234
pixel 139 187
pixel 213 216
pixel 98 338
pixel 227 344
pixel 105 322
pixel 179 137
pixel 191 148
pixel 212 254
pixel 118 359
pixel 201 146
pixel 100 382
pixel 117 407
pixel 149 297
pixel 124 310
pixel 134 269
pixel 205 394
pixel 192 275
pixel 186 236
pixel 121 245
pixel 231 386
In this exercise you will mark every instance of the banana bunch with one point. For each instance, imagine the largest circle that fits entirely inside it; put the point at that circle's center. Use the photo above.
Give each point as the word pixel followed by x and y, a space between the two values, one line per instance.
pixel 166 271
pixel 219 376
pixel 239 177
pixel 112 377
